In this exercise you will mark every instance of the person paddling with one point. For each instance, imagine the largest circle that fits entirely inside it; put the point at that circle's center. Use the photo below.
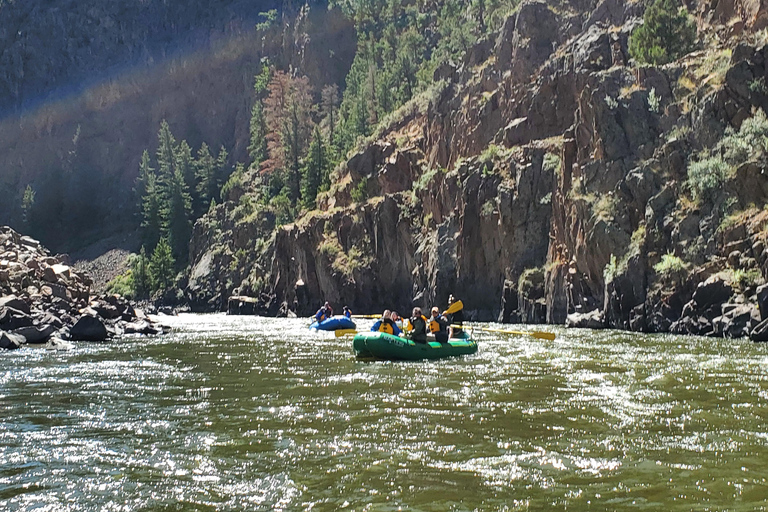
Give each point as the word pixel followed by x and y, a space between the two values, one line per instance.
pixel 456 318
pixel 419 324
pixel 438 326
pixel 386 325
pixel 324 313
pixel 347 312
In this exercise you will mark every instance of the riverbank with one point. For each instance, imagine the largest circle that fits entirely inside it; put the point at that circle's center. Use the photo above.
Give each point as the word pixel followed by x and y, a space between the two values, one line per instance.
pixel 45 300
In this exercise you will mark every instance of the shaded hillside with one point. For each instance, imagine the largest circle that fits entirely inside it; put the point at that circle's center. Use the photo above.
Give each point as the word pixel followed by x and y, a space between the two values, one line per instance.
pixel 80 155
pixel 49 49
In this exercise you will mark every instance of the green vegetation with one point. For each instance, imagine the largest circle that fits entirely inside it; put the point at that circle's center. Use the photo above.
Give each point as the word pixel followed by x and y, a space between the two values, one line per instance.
pixel 611 269
pixel 551 163
pixel 707 174
pixel 667 33
pixel 161 266
pixel 669 265
pixel 424 180
pixel 744 279
pixel 27 201
pixel 360 191
pixel 531 279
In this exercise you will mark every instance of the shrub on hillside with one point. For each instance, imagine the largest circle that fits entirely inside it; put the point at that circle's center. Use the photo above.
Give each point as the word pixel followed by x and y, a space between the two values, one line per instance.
pixel 665 35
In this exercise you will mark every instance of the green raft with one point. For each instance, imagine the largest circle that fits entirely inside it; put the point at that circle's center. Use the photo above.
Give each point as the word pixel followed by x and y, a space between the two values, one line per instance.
pixel 380 345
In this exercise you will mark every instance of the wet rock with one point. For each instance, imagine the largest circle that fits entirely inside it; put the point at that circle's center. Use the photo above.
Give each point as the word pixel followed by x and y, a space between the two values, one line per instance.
pixel 760 332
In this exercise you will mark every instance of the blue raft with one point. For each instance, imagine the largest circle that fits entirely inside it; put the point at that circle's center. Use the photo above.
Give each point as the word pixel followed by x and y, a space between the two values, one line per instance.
pixel 333 324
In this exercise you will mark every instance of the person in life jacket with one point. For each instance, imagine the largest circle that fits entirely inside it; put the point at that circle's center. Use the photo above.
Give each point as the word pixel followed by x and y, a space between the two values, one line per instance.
pixel 398 320
pixel 347 312
pixel 419 323
pixel 438 325
pixel 455 319
pixel 324 313
pixel 385 324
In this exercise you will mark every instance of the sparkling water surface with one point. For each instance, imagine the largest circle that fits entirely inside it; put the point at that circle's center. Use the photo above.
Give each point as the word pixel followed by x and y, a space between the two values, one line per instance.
pixel 250 413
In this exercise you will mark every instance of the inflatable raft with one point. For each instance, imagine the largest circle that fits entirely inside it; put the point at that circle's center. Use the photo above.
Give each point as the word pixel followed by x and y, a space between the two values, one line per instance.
pixel 333 324
pixel 379 345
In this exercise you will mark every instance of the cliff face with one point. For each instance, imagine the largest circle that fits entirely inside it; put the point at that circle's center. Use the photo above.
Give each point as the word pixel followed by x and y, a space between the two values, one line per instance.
pixel 548 176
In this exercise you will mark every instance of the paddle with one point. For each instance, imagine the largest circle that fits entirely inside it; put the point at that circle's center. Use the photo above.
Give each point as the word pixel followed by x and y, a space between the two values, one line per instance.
pixel 344 332
pixel 456 306
pixel 367 316
pixel 542 335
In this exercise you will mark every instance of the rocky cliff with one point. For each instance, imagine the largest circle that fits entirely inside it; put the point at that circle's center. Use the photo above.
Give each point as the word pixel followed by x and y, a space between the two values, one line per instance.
pixel 547 177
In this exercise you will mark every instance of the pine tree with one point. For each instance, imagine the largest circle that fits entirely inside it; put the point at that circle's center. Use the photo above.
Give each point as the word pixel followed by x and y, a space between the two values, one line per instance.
pixel 145 168
pixel 151 209
pixel 161 266
pixel 257 149
pixel 166 147
pixel 222 167
pixel 287 115
pixel 178 213
pixel 185 164
pixel 314 170
pixel 666 34
pixel 329 108
pixel 140 272
pixel 206 171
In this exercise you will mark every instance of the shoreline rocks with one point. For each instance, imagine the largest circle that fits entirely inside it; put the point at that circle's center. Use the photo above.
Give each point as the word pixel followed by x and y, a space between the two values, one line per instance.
pixel 44 300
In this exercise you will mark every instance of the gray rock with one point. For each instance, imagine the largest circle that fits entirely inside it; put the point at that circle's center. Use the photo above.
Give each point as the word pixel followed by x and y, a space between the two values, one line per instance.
pixel 592 320
pixel 10 341
pixel 14 302
pixel 11 319
pixel 89 328
pixel 712 291
pixel 762 301
pixel 760 332
pixel 35 333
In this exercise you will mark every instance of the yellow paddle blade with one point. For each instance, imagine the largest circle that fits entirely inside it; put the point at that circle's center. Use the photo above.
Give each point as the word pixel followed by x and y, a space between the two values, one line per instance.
pixel 456 306
pixel 366 316
pixel 542 335
pixel 344 332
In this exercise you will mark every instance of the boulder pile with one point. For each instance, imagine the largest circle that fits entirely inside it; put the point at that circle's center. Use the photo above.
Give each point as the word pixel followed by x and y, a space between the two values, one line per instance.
pixel 44 300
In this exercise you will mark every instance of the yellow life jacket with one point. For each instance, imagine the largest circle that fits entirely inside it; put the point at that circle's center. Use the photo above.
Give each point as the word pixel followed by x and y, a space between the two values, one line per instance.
pixel 434 326
pixel 386 327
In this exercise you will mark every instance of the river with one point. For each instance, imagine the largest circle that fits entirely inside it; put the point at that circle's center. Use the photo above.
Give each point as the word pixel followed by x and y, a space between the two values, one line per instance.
pixel 249 413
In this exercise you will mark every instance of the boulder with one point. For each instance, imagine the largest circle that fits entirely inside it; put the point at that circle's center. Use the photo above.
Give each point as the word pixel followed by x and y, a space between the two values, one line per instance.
pixel 35 333
pixel 713 291
pixel 14 302
pixel 11 319
pixel 10 341
pixel 592 320
pixel 89 328
pixel 762 301
pixel 139 327
pixel 760 332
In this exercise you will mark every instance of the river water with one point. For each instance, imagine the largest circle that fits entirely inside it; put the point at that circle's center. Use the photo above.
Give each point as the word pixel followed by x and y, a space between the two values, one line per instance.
pixel 249 413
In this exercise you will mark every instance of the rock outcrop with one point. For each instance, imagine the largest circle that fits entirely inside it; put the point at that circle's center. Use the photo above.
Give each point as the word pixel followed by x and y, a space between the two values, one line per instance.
pixel 548 178
pixel 44 300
